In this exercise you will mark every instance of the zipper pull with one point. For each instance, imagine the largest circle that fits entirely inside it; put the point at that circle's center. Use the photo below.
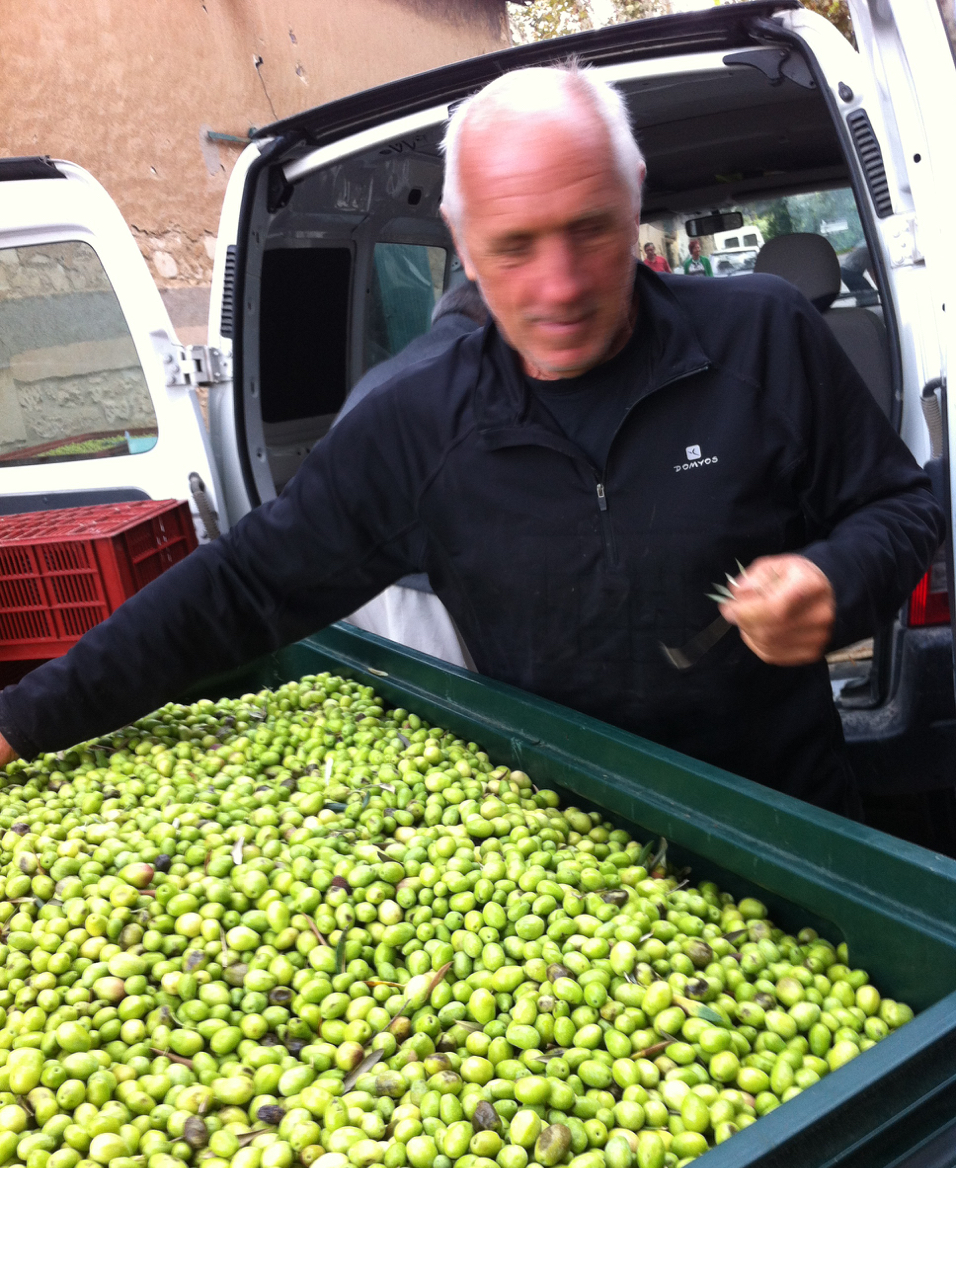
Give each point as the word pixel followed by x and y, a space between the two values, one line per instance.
pixel 602 501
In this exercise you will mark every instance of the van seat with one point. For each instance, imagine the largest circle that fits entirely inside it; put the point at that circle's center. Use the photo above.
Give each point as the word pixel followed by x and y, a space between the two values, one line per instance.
pixel 809 262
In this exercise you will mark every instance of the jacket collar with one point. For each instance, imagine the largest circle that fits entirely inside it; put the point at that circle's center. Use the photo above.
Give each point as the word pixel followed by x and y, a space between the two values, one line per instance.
pixel 506 412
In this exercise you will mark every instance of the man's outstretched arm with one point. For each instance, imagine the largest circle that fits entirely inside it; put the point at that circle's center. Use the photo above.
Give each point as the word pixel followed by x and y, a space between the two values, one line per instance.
pixel 337 536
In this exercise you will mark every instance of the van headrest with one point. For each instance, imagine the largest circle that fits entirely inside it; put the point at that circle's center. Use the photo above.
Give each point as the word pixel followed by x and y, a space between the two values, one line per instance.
pixel 808 261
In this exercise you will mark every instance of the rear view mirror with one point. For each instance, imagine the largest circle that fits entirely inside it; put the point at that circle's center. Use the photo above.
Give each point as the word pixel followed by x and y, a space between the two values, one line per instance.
pixel 713 224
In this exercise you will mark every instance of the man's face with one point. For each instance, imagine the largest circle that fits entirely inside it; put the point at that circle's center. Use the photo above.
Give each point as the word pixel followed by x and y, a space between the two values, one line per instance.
pixel 548 231
pixel 650 251
pixel 695 249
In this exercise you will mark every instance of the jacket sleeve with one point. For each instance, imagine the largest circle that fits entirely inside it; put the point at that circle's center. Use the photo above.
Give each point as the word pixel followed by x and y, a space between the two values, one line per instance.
pixel 341 531
pixel 871 517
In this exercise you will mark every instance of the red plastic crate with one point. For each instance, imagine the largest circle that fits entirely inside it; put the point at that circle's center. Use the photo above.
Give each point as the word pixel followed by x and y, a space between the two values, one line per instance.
pixel 63 571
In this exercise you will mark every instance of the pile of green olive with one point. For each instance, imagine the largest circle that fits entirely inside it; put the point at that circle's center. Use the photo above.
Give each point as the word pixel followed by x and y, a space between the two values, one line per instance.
pixel 301 929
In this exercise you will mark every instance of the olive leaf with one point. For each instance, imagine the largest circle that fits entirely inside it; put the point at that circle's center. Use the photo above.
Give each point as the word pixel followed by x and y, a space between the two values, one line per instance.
pixel 653 1048
pixel 695 1009
pixel 660 857
pixel 237 851
pixel 436 978
pixel 340 954
pixel 365 1065
pixel 640 859
pixel 244 1139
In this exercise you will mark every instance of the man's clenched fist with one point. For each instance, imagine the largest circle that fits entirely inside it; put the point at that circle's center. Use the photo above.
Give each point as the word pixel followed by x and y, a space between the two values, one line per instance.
pixel 785 608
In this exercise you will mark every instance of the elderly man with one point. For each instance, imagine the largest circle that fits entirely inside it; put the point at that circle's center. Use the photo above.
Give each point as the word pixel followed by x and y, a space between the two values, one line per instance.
pixel 572 477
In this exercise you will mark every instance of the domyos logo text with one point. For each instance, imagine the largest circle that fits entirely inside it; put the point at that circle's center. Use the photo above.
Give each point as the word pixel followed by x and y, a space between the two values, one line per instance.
pixel 694 459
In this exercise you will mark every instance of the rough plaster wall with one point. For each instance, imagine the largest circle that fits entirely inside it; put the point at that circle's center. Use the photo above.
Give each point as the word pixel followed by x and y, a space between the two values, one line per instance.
pixel 130 91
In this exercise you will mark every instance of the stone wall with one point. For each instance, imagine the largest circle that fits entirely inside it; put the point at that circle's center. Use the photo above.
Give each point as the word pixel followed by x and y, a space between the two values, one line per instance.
pixel 70 380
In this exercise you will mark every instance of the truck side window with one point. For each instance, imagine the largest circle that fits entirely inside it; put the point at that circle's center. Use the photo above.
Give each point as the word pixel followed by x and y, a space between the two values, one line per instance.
pixel 407 281
pixel 71 385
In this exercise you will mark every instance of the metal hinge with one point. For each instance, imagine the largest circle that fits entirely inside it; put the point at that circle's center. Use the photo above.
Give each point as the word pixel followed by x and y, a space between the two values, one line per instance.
pixel 901 240
pixel 196 366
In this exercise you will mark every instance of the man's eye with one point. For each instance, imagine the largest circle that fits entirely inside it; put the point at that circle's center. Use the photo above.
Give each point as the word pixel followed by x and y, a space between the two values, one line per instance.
pixel 514 251
pixel 590 230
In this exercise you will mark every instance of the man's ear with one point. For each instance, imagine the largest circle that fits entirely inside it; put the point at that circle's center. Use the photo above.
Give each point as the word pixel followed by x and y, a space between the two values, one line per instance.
pixel 458 242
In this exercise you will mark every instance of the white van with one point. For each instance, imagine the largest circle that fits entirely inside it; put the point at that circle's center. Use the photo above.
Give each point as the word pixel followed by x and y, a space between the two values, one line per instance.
pixel 747 237
pixel 331 253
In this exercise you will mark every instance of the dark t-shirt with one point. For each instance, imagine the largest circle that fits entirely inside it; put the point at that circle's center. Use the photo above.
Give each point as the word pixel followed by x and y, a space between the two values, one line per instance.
pixel 590 408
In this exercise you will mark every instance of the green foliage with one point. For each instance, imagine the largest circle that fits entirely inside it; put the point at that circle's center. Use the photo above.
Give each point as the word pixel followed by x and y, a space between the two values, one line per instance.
pixel 546 19
pixel 835 11
pixel 814 211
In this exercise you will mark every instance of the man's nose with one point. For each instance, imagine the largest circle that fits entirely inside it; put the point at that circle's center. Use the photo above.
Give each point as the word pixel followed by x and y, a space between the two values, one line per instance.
pixel 560 274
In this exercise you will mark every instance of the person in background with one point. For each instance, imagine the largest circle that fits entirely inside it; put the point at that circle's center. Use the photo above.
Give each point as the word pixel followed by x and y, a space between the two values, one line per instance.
pixel 852 269
pixel 656 261
pixel 697 264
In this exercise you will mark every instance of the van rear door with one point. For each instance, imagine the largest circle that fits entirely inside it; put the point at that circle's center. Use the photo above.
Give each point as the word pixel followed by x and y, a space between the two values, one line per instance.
pixel 95 401
pixel 910 46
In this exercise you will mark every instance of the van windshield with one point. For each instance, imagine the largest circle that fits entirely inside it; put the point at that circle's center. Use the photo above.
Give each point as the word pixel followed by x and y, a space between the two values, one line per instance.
pixel 71 385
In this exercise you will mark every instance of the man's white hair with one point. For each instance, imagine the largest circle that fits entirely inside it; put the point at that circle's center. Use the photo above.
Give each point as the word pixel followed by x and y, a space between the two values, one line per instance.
pixel 543 91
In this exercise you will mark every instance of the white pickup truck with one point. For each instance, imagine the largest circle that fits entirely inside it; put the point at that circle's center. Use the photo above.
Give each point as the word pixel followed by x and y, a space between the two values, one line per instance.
pixel 332 252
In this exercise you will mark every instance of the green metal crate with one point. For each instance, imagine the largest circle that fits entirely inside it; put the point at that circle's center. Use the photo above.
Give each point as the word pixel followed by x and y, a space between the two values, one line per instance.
pixel 893 903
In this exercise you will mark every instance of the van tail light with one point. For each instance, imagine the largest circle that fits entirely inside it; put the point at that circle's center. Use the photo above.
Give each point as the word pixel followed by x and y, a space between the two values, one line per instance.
pixel 929 603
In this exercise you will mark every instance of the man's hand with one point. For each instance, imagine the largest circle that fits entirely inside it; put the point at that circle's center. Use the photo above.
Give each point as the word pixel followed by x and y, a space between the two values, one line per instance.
pixel 7 752
pixel 785 608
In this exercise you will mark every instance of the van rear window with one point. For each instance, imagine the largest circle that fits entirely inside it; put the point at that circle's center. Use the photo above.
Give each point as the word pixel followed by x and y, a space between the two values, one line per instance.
pixel 303 331
pixel 71 385
pixel 407 281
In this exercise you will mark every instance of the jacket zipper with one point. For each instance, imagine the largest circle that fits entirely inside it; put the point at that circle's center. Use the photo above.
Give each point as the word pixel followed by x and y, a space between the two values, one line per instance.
pixel 607 532
pixel 607 529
